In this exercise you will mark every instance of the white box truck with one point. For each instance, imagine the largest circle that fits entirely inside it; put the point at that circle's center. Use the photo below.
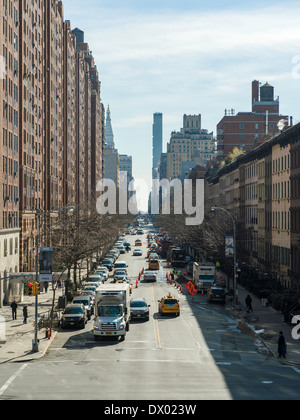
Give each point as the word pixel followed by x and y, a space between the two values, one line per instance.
pixel 204 277
pixel 112 311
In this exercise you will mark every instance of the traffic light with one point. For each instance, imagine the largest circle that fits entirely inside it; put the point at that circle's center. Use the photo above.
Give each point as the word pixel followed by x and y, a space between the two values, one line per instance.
pixel 36 288
pixel 30 289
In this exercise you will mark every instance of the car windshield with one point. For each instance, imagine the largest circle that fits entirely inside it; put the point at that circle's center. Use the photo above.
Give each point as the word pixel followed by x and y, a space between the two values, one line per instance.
pixel 73 311
pixel 109 311
pixel 107 262
pixel 138 304
pixel 170 302
pixel 83 301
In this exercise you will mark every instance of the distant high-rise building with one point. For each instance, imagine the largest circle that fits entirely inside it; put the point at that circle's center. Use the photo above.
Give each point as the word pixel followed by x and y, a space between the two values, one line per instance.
pixel 157 142
pixel 191 144
pixel 109 134
pixel 112 158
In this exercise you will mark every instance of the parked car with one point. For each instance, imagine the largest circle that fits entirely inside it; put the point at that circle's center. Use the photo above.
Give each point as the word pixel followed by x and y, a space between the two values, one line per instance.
pixel 216 294
pixel 87 301
pixel 89 293
pixel 103 271
pixel 96 278
pixel 108 264
pixel 139 309
pixel 74 316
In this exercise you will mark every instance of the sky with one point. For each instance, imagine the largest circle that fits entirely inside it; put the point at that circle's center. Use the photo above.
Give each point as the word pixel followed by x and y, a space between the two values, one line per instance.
pixel 186 57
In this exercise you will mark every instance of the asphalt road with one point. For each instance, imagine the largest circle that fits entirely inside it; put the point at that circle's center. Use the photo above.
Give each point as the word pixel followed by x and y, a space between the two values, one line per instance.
pixel 200 355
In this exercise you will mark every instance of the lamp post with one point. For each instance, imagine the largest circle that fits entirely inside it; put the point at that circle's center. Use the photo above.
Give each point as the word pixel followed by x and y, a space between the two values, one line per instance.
pixel 234 251
pixel 35 341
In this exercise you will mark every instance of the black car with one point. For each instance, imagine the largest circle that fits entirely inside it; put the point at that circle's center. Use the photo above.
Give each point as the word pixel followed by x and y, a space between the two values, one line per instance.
pixel 108 264
pixel 74 316
pixel 216 294
pixel 139 309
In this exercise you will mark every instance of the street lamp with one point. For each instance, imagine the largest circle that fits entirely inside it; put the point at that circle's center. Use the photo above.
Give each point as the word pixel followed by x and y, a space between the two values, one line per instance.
pixel 35 341
pixel 234 251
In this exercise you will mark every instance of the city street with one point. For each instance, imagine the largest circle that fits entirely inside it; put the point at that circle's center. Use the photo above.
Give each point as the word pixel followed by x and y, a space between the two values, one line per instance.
pixel 199 355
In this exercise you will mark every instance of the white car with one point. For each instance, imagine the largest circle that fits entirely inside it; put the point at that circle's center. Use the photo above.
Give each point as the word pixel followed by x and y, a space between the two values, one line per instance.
pixel 137 252
pixel 104 272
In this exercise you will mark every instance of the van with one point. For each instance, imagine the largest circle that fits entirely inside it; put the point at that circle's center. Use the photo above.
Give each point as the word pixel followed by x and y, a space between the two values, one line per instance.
pixel 121 264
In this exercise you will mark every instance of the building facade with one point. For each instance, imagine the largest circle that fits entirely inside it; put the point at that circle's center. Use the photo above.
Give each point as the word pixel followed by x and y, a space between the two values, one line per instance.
pixel 9 143
pixel 260 189
pixel 244 129
pixel 191 140
pixel 112 158
pixel 51 125
pixel 157 142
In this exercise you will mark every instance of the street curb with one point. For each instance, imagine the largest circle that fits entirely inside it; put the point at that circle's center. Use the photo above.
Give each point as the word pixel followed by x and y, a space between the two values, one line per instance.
pixel 34 356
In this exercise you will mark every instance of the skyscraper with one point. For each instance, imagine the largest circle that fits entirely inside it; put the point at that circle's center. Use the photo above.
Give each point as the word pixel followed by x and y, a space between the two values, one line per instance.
pixel 109 135
pixel 112 159
pixel 157 142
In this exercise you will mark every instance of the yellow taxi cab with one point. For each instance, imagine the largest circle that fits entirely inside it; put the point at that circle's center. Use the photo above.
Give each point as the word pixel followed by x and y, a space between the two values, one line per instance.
pixel 125 281
pixel 169 305
pixel 153 263
pixel 138 242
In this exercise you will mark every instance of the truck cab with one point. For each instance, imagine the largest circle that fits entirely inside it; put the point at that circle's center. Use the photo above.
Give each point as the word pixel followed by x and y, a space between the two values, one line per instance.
pixel 112 311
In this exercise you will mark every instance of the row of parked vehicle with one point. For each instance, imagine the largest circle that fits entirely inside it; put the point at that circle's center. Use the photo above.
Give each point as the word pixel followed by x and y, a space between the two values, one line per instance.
pixel 82 308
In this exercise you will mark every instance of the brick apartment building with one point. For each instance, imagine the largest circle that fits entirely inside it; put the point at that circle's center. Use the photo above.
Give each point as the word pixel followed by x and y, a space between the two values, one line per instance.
pixel 244 129
pixel 9 143
pixel 94 143
pixel 31 126
pixel 261 190
pixel 295 206
pixel 69 121
pixel 51 127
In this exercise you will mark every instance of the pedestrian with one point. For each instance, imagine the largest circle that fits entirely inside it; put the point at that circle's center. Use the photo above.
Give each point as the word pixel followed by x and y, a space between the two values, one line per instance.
pixel 46 285
pixel 25 314
pixel 14 307
pixel 172 274
pixel 248 302
pixel 178 273
pixel 264 299
pixel 281 346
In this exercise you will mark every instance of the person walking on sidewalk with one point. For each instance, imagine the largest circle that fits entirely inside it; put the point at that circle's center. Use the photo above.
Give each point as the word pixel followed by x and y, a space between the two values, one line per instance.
pixel 25 314
pixel 281 346
pixel 14 307
pixel 248 302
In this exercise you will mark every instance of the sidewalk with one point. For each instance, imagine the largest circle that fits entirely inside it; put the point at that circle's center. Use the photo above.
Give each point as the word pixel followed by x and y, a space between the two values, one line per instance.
pixel 16 338
pixel 271 321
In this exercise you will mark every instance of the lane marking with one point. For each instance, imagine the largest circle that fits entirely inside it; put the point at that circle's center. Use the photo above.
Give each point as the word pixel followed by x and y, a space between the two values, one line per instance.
pixel 12 378
pixel 155 322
